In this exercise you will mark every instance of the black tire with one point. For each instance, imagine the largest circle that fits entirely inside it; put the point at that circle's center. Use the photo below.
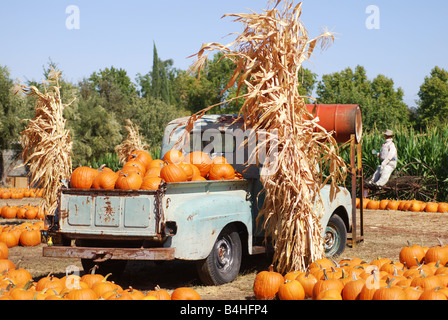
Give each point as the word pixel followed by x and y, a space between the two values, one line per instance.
pixel 224 261
pixel 335 239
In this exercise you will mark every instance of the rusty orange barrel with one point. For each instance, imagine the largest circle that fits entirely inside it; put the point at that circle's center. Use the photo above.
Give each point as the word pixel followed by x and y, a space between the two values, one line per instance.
pixel 344 119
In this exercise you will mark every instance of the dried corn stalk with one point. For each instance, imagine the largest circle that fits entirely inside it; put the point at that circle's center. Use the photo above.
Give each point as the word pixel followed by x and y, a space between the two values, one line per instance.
pixel 268 55
pixel 132 143
pixel 46 144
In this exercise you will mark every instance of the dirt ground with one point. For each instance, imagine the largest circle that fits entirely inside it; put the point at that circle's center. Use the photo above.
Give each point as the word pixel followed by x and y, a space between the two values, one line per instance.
pixel 385 233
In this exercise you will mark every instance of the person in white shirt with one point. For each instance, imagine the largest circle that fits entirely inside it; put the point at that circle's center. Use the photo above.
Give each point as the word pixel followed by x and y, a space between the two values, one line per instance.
pixel 388 157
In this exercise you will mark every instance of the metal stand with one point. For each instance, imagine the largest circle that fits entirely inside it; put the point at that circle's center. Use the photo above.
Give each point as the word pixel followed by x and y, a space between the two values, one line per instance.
pixel 356 175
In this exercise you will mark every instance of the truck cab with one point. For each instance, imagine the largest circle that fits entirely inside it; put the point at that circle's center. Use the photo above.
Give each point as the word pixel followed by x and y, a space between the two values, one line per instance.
pixel 210 222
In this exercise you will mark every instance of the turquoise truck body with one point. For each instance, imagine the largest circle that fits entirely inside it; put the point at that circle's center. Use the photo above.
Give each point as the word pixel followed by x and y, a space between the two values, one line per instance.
pixel 184 221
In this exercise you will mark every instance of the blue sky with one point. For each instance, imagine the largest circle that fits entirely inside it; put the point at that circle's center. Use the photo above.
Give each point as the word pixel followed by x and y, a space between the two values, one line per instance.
pixel 410 41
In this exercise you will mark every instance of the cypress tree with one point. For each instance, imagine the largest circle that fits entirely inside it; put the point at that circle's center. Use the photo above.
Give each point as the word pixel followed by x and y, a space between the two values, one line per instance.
pixel 155 75
pixel 159 84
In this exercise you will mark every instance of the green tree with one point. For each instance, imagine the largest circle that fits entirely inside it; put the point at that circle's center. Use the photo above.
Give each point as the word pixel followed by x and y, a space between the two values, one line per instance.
pixel 158 82
pixel 110 77
pixel 151 116
pixel 116 89
pixel 196 91
pixel 307 84
pixel 13 109
pixel 94 130
pixel 382 105
pixel 433 98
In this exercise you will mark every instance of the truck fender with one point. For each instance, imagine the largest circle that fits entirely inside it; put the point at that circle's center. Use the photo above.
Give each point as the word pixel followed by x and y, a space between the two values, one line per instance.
pixel 199 221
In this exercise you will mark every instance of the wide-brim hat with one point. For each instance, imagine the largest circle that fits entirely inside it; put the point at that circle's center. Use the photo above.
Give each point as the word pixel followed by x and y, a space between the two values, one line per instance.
pixel 388 133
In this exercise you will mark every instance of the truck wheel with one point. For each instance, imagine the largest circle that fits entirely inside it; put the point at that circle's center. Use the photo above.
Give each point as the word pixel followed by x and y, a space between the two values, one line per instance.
pixel 335 237
pixel 224 262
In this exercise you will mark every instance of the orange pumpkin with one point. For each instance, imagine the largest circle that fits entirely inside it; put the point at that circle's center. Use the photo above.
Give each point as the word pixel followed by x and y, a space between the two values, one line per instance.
pixel 151 183
pixel 437 253
pixel 156 163
pixel 82 177
pixel 365 202
pixel 23 292
pixel 9 212
pixel 307 280
pixel 153 171
pixel 443 207
pixel 19 276
pixel 432 295
pixel 134 293
pixel 373 205
pixel 416 206
pixel 105 180
pixel 219 160
pixel 393 205
pixel 173 156
pixel 201 160
pixel 92 278
pixel 431 207
pixel 6 195
pixel 159 294
pixel 141 156
pixel 31 213
pixel 327 284
pixel 389 293
pixel 411 255
pixel 188 168
pixel 82 294
pixel 49 282
pixel 173 173
pixel 4 251
pixel 9 238
pixel 221 172
pixel 267 284
pixel 352 289
pixel 30 238
pixel 129 181
pixel 291 290
pixel 407 205
pixel 383 204
pixel 21 212
pixel 134 165
pixel 198 178
pixel 6 265
pixel 184 293
pixel 103 286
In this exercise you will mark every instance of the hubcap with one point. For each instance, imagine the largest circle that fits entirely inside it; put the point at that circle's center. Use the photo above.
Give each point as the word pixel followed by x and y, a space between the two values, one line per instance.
pixel 330 240
pixel 224 258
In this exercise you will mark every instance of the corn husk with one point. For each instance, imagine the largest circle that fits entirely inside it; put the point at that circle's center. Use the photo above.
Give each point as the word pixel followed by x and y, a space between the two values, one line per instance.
pixel 133 142
pixel 268 55
pixel 47 145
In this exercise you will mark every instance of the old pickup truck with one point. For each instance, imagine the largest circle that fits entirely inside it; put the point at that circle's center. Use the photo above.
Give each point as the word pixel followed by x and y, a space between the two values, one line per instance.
pixel 210 222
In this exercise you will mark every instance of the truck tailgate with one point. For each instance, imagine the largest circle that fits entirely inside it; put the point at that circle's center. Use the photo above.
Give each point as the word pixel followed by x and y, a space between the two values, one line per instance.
pixel 109 213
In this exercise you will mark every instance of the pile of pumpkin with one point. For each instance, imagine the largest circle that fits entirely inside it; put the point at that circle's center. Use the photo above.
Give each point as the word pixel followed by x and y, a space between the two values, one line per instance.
pixel 18 284
pixel 141 172
pixel 26 234
pixel 20 193
pixel 420 273
pixel 22 212
pixel 403 205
